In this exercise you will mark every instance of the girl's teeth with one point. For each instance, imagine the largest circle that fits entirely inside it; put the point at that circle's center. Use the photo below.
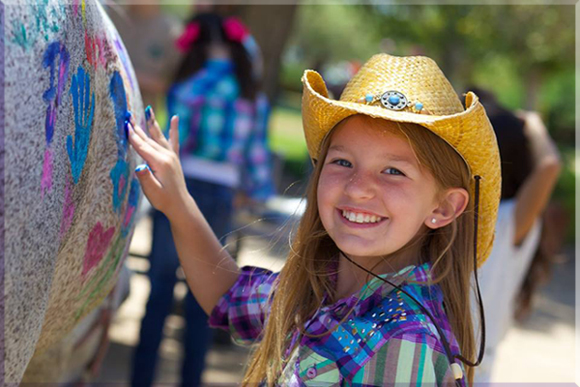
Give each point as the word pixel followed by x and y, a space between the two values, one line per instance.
pixel 360 218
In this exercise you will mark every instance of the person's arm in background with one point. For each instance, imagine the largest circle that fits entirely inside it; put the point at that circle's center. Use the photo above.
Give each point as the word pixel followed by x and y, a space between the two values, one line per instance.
pixel 535 192
pixel 209 269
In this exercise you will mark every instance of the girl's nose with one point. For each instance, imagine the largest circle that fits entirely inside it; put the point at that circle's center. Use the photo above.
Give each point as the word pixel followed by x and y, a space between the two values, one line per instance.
pixel 360 186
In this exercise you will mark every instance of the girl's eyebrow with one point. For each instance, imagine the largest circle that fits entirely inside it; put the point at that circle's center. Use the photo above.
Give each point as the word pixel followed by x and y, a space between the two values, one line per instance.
pixel 390 156
pixel 400 159
pixel 339 148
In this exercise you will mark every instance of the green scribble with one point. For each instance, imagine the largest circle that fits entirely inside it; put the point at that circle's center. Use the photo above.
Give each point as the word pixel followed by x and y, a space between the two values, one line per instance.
pixel 19 34
pixel 26 36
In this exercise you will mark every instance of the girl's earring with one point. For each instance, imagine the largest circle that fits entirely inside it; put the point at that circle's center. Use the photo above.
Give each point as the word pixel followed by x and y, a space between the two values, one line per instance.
pixel 433 220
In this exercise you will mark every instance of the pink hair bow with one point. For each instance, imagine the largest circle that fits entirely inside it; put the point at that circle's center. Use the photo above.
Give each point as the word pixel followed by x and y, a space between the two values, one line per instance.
pixel 235 30
pixel 188 37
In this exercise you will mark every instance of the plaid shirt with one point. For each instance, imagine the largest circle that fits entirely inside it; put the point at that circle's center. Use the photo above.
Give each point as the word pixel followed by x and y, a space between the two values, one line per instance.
pixel 386 341
pixel 217 124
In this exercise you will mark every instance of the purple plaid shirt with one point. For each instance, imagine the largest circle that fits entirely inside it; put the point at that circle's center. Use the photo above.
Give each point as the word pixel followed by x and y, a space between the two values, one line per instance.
pixel 386 340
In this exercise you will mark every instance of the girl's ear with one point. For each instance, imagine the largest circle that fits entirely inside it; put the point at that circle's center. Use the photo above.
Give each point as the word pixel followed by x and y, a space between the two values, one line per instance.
pixel 452 205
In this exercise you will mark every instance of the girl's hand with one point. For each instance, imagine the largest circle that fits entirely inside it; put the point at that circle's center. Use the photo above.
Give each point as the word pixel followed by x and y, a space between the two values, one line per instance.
pixel 163 182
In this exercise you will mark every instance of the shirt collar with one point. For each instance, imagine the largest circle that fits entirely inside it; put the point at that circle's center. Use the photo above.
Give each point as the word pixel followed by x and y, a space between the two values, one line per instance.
pixel 375 290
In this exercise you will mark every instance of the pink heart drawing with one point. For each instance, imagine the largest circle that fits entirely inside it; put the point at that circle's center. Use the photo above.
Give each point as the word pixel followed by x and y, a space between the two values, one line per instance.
pixel 97 244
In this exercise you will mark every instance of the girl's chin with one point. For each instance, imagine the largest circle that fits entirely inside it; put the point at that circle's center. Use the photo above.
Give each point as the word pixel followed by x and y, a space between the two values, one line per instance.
pixel 360 254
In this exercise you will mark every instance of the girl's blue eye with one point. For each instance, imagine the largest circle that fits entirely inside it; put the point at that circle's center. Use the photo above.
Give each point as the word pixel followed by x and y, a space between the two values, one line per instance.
pixel 342 163
pixel 395 171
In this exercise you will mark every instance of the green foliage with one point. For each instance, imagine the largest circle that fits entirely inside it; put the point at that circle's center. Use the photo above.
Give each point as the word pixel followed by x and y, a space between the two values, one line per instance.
pixel 329 33
pixel 565 191
pixel 286 136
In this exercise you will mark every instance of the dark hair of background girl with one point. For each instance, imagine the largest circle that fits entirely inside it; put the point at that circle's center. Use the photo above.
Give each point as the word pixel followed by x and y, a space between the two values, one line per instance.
pixel 516 165
pixel 514 150
pixel 212 31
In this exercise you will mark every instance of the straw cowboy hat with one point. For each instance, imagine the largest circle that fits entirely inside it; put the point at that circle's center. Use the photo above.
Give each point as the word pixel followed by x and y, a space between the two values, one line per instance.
pixel 413 89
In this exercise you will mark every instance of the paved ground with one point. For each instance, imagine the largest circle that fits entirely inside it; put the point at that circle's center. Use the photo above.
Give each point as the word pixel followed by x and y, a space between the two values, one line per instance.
pixel 539 351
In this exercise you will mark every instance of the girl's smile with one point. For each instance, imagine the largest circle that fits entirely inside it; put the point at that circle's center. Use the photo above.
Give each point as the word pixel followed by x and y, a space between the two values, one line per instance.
pixel 373 197
pixel 361 219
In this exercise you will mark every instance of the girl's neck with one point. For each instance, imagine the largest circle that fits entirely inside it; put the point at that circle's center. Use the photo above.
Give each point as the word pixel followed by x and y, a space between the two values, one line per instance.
pixel 218 51
pixel 351 278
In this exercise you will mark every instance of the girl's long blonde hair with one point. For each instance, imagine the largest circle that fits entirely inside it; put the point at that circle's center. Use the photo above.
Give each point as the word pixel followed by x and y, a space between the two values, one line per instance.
pixel 306 277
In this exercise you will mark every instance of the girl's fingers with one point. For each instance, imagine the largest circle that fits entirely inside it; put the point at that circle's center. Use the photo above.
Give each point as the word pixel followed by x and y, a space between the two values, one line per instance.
pixel 157 135
pixel 149 183
pixel 153 127
pixel 143 147
pixel 141 133
pixel 174 134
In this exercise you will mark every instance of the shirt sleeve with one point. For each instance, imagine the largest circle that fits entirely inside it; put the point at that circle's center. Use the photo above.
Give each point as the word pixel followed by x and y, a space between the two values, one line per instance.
pixel 257 174
pixel 408 359
pixel 244 308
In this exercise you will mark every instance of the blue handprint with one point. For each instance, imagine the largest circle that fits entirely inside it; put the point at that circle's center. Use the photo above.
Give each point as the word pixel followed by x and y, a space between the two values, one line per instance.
pixel 132 203
pixel 84 106
pixel 117 93
pixel 120 176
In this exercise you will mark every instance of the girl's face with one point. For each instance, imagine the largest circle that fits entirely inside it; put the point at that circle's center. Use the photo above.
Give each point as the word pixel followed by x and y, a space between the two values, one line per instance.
pixel 373 198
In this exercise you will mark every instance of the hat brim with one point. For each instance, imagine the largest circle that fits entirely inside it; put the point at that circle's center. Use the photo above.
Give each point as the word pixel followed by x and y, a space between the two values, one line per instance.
pixel 468 132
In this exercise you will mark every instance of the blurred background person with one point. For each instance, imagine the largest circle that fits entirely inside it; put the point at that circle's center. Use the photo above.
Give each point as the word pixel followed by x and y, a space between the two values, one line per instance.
pixel 224 155
pixel 149 34
pixel 530 164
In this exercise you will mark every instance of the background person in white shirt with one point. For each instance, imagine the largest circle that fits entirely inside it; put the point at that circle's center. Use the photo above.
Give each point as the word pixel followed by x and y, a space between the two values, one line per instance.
pixel 530 164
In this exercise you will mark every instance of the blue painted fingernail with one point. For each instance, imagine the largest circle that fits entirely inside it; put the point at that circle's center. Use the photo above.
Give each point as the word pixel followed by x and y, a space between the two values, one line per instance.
pixel 127 127
pixel 141 167
pixel 148 113
pixel 128 115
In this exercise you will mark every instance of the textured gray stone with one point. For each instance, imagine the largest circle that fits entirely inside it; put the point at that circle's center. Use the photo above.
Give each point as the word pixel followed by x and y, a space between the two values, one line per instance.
pixel 60 264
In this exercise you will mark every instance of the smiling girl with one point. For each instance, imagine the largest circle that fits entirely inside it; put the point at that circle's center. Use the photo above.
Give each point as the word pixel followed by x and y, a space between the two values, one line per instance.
pixel 400 211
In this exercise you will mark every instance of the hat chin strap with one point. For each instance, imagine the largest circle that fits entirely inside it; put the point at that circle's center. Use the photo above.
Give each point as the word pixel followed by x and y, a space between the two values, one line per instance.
pixel 455 367
pixel 479 300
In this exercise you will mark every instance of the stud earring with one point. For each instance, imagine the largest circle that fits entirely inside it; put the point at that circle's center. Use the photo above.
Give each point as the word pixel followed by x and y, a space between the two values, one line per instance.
pixel 433 220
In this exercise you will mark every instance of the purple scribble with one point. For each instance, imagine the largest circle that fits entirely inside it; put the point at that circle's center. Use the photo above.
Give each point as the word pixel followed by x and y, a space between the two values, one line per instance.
pixel 46 181
pixel 68 210
pixel 2 210
pixel 124 60
pixel 99 240
pixel 104 49
pixel 76 7
pixel 52 95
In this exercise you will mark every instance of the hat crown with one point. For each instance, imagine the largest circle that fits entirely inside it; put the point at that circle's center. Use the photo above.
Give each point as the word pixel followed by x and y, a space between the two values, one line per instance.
pixel 418 78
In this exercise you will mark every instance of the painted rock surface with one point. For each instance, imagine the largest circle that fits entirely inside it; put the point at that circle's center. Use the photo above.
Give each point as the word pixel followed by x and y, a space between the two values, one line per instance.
pixel 70 194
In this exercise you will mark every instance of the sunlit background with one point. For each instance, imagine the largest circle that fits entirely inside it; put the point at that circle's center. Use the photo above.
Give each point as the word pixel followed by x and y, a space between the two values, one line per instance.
pixel 523 53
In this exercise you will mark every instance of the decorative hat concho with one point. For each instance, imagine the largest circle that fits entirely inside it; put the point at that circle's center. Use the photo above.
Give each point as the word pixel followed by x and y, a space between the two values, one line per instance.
pixel 393 100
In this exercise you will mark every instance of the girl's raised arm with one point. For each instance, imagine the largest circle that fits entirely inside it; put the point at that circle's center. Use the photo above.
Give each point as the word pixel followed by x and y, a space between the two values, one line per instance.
pixel 209 269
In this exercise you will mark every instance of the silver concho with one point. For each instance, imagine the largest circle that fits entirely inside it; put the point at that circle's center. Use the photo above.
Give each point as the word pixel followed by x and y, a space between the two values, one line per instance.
pixel 394 100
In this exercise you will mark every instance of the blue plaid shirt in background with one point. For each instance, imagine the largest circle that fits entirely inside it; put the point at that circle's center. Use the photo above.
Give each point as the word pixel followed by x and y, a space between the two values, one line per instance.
pixel 218 125
pixel 385 341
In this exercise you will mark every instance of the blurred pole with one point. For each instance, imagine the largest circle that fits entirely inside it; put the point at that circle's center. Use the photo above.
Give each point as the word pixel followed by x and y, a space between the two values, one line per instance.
pixel 271 26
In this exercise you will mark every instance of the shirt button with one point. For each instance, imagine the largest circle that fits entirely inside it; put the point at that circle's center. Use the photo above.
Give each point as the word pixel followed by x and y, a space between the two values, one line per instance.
pixel 311 372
